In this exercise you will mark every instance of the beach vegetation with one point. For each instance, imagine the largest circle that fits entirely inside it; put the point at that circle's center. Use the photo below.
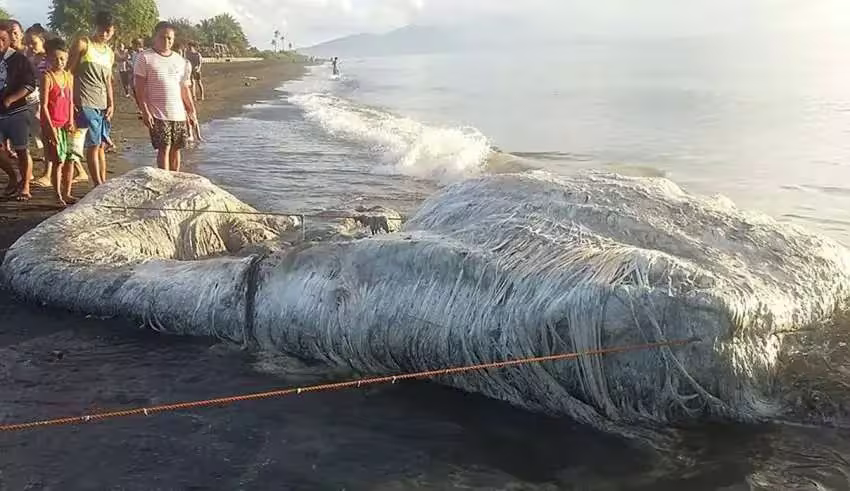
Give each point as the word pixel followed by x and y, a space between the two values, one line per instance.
pixel 132 17
pixel 187 31
pixel 223 29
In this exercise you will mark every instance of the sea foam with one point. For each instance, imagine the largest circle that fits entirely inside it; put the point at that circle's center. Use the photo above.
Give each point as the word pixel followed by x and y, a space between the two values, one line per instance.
pixel 405 146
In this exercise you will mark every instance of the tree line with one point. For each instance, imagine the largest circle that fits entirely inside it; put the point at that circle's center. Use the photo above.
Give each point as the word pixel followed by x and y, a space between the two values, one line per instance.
pixel 137 18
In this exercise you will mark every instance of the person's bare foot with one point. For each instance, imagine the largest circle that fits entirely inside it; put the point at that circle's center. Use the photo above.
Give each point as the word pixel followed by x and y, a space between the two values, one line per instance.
pixel 61 202
pixel 24 196
pixel 70 199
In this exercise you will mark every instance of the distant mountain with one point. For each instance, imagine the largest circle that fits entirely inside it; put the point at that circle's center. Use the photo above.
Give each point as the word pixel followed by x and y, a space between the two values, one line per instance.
pixel 406 40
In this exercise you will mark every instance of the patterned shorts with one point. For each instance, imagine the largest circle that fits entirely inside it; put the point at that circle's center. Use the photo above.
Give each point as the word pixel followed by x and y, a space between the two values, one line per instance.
pixel 168 134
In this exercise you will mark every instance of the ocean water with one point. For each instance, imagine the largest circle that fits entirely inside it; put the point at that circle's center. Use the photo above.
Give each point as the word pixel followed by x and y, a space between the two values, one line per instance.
pixel 766 125
pixel 761 121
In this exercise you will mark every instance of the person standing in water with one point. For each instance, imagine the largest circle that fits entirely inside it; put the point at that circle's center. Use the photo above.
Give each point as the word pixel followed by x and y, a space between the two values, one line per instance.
pixel 91 63
pixel 335 63
pixel 163 81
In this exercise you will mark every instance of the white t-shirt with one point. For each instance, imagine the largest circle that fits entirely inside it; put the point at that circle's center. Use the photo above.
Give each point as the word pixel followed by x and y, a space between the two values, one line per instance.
pixel 165 77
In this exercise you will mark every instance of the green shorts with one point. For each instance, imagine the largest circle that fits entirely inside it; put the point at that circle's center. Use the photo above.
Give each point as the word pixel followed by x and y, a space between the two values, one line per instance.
pixel 63 145
pixel 69 147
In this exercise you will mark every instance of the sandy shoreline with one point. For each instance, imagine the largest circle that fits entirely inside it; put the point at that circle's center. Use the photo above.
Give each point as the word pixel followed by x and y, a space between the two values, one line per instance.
pixel 386 438
pixel 55 364
pixel 228 92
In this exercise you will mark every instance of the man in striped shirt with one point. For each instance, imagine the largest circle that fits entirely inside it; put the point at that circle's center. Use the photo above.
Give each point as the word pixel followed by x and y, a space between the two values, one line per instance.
pixel 163 82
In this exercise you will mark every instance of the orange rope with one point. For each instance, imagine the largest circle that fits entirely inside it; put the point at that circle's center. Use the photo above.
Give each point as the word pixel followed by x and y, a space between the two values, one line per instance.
pixel 327 215
pixel 146 411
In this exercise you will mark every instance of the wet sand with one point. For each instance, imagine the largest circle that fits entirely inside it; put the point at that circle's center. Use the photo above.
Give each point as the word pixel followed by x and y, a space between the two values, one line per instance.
pixel 228 90
pixel 54 363
pixel 405 436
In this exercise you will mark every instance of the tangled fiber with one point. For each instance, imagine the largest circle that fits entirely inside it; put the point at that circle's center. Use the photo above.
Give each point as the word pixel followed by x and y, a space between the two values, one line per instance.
pixel 491 268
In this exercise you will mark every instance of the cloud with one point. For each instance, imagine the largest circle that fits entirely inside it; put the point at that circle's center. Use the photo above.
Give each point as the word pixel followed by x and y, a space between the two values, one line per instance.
pixel 307 22
pixel 303 21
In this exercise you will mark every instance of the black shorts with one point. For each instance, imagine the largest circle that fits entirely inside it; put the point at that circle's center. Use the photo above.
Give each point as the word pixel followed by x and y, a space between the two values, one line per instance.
pixel 171 134
pixel 196 76
pixel 125 78
pixel 15 128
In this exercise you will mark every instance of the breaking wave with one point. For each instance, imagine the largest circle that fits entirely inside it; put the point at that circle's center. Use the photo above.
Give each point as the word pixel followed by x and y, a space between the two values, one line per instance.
pixel 405 146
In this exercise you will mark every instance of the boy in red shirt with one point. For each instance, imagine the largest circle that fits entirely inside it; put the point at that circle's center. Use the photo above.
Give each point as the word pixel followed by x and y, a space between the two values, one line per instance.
pixel 57 110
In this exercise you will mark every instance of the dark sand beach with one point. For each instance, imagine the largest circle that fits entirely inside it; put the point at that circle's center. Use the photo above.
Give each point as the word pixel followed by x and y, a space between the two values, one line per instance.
pixel 405 436
pixel 54 364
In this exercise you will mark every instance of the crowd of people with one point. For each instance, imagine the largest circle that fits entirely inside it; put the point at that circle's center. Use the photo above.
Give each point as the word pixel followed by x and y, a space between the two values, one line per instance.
pixel 60 96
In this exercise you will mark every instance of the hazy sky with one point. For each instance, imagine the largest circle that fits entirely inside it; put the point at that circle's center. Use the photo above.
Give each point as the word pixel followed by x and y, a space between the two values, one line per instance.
pixel 311 21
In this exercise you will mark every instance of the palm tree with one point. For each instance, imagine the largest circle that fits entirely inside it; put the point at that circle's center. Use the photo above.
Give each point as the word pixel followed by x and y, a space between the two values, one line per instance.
pixel 276 37
pixel 274 44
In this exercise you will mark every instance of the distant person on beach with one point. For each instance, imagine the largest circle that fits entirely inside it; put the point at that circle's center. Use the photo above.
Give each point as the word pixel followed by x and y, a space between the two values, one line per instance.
pixel 195 58
pixel 137 49
pixel 17 81
pixel 125 69
pixel 194 126
pixel 57 116
pixel 163 84
pixel 91 63
pixel 335 63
